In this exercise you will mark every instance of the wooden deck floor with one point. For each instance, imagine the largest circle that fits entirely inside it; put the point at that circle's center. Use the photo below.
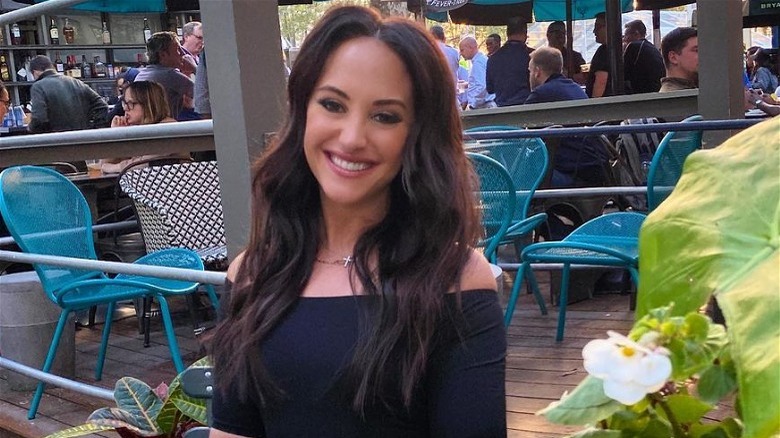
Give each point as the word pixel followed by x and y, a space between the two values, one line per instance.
pixel 539 370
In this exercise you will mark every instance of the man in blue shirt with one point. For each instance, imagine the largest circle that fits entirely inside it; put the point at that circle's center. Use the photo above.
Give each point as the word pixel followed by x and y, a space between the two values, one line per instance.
pixel 477 96
pixel 507 69
pixel 577 161
pixel 450 53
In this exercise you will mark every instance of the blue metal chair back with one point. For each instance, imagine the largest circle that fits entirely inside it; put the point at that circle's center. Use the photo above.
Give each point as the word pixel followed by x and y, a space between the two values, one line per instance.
pixel 526 160
pixel 496 200
pixel 47 214
pixel 667 165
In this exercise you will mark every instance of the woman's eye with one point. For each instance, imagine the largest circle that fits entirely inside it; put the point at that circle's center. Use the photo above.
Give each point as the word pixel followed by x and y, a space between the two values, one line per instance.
pixel 387 118
pixel 331 105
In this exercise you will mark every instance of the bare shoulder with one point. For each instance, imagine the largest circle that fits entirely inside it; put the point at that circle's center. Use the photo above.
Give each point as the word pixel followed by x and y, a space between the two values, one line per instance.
pixel 232 272
pixel 477 273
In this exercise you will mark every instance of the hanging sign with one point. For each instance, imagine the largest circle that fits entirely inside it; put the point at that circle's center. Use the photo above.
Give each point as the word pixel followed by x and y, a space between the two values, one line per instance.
pixel 443 5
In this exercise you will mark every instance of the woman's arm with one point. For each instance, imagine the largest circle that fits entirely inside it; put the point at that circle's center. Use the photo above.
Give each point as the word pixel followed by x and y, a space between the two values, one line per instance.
pixel 466 381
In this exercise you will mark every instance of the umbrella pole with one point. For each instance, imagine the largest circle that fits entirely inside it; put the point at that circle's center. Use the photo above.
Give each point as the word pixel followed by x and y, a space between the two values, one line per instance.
pixel 569 38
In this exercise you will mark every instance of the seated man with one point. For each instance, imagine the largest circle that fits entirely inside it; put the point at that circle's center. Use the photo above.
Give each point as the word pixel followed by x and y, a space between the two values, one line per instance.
pixel 680 49
pixel 578 161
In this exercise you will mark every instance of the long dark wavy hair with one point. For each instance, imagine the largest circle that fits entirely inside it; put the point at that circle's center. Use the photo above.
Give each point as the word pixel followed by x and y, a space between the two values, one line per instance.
pixel 408 261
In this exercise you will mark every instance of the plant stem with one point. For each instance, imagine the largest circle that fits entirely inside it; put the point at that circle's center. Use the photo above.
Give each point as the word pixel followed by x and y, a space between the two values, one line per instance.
pixel 676 427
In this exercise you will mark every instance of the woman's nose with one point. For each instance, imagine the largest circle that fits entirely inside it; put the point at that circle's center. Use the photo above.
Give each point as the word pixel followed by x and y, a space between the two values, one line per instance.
pixel 353 132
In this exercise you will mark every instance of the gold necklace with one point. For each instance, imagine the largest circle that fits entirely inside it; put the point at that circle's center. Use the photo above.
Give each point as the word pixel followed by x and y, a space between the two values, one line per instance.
pixel 345 261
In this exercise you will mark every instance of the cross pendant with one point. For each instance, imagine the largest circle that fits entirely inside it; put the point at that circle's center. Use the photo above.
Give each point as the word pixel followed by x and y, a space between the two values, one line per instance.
pixel 348 260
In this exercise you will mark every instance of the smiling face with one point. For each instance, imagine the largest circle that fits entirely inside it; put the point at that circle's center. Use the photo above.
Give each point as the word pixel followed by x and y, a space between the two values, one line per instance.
pixel 357 122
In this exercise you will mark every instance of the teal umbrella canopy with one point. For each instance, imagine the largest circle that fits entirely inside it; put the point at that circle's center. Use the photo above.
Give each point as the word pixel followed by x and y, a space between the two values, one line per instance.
pixel 495 12
pixel 553 10
pixel 119 5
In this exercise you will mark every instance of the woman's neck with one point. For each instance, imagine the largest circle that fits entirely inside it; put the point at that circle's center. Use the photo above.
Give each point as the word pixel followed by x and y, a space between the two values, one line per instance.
pixel 343 226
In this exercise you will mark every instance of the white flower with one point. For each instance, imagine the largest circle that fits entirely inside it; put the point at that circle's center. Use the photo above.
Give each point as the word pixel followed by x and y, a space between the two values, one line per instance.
pixel 628 369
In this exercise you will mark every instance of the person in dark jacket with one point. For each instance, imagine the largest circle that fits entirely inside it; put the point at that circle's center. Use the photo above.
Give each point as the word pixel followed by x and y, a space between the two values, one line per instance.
pixel 61 103
pixel 578 161
pixel 507 68
pixel 642 61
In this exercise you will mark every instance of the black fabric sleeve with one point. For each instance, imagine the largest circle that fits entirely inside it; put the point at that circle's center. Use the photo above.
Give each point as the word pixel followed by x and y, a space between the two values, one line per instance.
pixel 229 413
pixel 466 385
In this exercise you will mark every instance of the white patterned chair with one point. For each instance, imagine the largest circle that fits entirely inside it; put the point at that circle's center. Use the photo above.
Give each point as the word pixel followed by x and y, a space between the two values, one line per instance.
pixel 179 205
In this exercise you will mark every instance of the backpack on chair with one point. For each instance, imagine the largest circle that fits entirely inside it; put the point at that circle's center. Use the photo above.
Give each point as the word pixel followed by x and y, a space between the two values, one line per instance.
pixel 635 153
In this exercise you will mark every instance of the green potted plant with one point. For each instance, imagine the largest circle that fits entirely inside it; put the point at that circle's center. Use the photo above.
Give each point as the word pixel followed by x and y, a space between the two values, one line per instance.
pixel 143 411
pixel 717 235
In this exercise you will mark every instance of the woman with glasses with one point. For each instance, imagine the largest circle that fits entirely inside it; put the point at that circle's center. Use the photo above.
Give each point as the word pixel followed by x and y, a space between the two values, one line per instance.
pixel 144 103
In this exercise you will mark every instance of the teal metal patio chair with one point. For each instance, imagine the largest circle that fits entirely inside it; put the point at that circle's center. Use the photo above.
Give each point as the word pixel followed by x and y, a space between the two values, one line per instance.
pixel 47 214
pixel 497 204
pixel 526 160
pixel 611 239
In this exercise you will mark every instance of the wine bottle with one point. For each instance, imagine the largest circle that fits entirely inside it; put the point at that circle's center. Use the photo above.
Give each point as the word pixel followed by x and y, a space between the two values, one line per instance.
pixel 5 74
pixel 58 63
pixel 99 69
pixel 54 33
pixel 16 34
pixel 106 34
pixel 68 32
pixel 86 69
pixel 147 30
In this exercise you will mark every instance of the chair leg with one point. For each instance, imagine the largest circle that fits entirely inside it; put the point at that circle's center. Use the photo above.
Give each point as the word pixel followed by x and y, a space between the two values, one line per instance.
pixel 47 364
pixel 104 341
pixel 91 316
pixel 534 288
pixel 212 295
pixel 147 319
pixel 510 306
pixel 562 301
pixel 173 345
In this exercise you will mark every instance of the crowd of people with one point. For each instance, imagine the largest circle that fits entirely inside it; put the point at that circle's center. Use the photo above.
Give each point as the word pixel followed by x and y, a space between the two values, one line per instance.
pixel 173 78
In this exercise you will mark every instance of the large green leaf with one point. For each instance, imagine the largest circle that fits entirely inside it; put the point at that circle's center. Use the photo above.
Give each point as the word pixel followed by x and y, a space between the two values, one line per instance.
pixel 139 401
pixel 84 429
pixel 116 418
pixel 719 233
pixel 586 405
pixel 179 403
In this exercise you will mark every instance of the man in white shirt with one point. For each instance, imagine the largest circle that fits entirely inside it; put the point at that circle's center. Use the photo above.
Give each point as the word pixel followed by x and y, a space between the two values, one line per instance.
pixel 477 96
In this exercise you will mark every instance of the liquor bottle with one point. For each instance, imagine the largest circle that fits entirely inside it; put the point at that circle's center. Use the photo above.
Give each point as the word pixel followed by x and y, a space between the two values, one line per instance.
pixel 16 35
pixel 19 116
pixel 99 69
pixel 147 30
pixel 5 74
pixel 68 32
pixel 179 31
pixel 106 34
pixel 54 33
pixel 73 68
pixel 58 63
pixel 86 69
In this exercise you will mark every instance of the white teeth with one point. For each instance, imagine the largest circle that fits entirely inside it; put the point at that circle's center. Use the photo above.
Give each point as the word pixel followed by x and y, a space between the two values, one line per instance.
pixel 348 165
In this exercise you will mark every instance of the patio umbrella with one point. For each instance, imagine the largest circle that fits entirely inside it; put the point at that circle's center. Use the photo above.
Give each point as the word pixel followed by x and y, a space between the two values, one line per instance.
pixel 117 5
pixel 495 12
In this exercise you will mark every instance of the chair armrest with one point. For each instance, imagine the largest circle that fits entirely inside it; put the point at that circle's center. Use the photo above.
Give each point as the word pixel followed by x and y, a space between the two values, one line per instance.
pixel 525 226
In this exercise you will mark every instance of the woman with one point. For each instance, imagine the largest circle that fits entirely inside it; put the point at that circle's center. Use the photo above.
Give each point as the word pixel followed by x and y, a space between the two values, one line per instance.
pixel 763 78
pixel 144 103
pixel 358 307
